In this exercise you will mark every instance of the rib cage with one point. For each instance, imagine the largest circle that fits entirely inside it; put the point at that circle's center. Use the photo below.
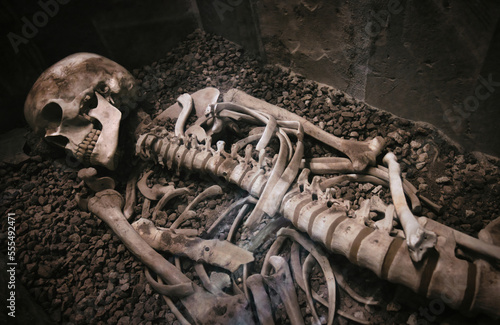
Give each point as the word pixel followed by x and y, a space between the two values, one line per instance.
pixel 473 287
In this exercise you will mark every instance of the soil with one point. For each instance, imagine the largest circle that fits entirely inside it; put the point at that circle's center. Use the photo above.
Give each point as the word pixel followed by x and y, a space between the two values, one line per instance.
pixel 79 272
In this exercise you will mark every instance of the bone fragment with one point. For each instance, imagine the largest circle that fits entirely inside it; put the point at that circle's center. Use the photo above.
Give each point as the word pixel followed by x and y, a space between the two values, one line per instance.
pixel 273 250
pixel 306 272
pixel 363 213
pixel 220 253
pixel 376 204
pixel 209 192
pixel 354 295
pixel 146 205
pixel 173 192
pixel 261 299
pixel 281 282
pixel 171 290
pixel 205 280
pixel 107 205
pixel 186 102
pixel 130 197
pixel 227 212
pixel 418 239
pixel 323 261
pixel 175 311
pixel 328 165
pixel 96 184
pixel 237 222
pixel 153 193
pixel 268 194
pixel 297 273
pixel 202 99
pixel 360 153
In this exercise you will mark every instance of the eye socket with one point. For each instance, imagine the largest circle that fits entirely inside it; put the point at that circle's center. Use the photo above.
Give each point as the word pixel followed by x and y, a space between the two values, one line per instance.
pixel 52 114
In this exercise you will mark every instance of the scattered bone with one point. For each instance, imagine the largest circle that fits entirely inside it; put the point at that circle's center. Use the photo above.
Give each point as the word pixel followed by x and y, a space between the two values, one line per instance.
pixel 376 204
pixel 237 222
pixel 476 245
pixel 130 197
pixel 491 233
pixel 205 280
pixel 360 153
pixel 175 311
pixel 281 282
pixel 322 260
pixel 220 280
pixel 188 213
pixel 145 213
pixel 363 213
pixel 273 250
pixel 153 193
pixel 171 290
pixel 201 98
pixel 260 299
pixel 186 102
pixel 96 184
pixel 354 319
pixel 297 273
pixel 306 272
pixel 170 194
pixel 227 212
pixel 418 239
pixel 354 295
pixel 220 253
pixel 107 205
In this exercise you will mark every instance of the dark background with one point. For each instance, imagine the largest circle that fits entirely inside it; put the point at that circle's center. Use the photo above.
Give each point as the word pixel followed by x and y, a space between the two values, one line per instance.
pixel 420 62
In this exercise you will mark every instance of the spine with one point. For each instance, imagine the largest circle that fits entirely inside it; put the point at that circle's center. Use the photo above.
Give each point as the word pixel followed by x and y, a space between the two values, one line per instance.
pixel 458 283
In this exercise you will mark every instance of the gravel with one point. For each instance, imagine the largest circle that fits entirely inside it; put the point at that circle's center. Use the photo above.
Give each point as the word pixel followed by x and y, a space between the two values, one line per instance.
pixel 80 273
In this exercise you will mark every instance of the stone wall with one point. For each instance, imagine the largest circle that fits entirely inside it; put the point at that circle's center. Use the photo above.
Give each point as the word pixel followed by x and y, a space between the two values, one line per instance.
pixel 423 60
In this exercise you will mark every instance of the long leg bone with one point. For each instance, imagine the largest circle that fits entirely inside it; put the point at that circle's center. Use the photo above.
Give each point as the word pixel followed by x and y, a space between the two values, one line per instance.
pixel 360 153
pixel 107 206
pixel 282 283
pixel 418 239
pixel 204 307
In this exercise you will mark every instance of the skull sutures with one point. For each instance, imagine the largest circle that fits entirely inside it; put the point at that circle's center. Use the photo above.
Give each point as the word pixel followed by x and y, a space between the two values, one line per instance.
pixel 73 105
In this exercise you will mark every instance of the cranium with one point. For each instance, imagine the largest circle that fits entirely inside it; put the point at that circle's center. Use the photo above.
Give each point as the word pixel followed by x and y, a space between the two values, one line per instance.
pixel 73 105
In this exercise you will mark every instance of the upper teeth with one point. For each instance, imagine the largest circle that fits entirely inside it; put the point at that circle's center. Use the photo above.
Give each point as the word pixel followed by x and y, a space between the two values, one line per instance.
pixel 86 147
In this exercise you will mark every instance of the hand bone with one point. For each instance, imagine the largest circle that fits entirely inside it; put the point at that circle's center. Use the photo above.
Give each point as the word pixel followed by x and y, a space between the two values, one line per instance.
pixel 418 239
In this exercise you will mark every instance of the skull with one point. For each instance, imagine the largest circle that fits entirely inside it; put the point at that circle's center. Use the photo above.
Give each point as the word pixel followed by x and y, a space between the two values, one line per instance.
pixel 73 105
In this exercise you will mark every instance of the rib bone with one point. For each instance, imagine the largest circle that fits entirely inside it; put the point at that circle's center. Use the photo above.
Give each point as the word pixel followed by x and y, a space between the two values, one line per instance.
pixel 282 283
pixel 261 299
pixel 418 239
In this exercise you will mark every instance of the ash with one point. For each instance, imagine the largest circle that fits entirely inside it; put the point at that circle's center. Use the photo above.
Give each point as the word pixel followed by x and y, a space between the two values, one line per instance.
pixel 80 273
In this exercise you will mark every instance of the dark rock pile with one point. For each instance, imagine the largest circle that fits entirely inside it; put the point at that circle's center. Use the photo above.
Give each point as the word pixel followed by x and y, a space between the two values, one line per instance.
pixel 80 273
